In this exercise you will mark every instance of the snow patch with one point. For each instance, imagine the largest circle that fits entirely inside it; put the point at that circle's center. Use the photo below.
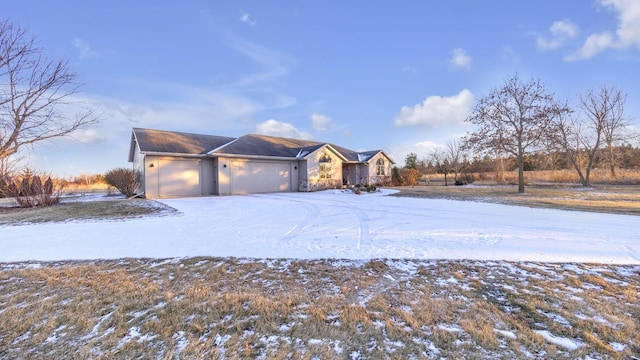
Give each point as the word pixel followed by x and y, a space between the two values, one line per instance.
pixel 506 333
pixel 569 344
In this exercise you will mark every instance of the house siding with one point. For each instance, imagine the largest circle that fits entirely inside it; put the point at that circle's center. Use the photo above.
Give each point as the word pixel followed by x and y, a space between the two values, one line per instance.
pixel 315 178
pixel 224 176
pixel 207 177
pixel 151 176
pixel 138 168
pixel 373 177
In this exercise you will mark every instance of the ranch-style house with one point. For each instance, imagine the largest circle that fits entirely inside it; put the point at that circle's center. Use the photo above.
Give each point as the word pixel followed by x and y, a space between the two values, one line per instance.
pixel 173 164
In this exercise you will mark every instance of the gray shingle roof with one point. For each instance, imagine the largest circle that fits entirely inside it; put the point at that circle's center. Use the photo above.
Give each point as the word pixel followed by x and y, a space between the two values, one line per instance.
pixel 171 142
pixel 160 141
pixel 262 145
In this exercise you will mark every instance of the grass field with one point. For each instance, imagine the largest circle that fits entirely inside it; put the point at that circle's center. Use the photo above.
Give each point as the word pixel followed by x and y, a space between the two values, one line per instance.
pixel 324 309
pixel 618 199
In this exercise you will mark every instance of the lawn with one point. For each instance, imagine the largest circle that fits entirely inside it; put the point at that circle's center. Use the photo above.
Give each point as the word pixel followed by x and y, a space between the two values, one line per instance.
pixel 613 199
pixel 231 307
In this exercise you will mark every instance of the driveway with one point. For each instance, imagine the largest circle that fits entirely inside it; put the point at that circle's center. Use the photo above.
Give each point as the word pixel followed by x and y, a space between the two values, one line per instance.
pixel 336 224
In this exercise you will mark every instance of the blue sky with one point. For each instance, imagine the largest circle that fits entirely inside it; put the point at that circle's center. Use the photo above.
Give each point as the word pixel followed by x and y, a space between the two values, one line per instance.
pixel 399 76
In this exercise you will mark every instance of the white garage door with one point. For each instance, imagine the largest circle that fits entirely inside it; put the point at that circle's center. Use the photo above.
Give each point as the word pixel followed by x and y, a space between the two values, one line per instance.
pixel 249 177
pixel 179 177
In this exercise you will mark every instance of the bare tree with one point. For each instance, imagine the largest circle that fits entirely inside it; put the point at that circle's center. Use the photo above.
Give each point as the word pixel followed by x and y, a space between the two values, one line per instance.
pixel 607 107
pixel 515 119
pixel 8 165
pixel 454 154
pixel 579 139
pixel 33 93
pixel 440 162
pixel 599 121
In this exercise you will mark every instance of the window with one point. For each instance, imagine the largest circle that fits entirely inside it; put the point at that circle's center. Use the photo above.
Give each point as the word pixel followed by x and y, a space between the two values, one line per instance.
pixel 325 170
pixel 380 167
pixel 325 166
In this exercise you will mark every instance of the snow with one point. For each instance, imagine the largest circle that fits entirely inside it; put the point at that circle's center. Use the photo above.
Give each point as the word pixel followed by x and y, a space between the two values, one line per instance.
pixel 506 333
pixel 569 344
pixel 618 346
pixel 336 224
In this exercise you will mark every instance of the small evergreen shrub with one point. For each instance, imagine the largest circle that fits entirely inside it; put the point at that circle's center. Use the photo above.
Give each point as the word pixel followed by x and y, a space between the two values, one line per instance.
pixel 125 180
pixel 396 178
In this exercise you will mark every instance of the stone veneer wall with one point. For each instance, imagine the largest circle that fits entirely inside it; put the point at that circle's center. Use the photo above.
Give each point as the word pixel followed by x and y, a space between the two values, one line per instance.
pixel 317 185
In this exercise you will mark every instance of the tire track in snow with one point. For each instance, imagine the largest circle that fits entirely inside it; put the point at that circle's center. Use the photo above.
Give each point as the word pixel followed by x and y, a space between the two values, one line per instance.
pixel 312 213
pixel 364 236
pixel 364 233
pixel 632 253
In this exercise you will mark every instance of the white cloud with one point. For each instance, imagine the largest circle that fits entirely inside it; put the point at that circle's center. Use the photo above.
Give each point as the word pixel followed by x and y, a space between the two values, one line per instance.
pixel 629 21
pixel 88 136
pixel 437 111
pixel 276 128
pixel 423 149
pixel 247 19
pixel 320 122
pixel 627 34
pixel 460 59
pixel 86 52
pixel 595 44
pixel 560 31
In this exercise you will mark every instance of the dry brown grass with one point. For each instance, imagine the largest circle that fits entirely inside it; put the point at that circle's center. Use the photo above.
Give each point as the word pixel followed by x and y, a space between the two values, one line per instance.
pixel 620 199
pixel 598 177
pixel 283 309
pixel 69 210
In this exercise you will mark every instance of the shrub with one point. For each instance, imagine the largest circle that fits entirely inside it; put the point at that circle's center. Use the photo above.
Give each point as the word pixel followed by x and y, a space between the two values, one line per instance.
pixel 31 192
pixel 396 178
pixel 464 179
pixel 410 176
pixel 125 180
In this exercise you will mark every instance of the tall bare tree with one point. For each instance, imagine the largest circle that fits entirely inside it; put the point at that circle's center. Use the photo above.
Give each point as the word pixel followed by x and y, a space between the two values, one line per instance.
pixel 515 119
pixel 579 138
pixel 33 92
pixel 607 108
pixel 599 121
pixel 440 162
pixel 455 153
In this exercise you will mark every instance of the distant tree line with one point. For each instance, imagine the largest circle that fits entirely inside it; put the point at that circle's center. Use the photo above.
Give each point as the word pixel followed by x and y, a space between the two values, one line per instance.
pixel 521 126
pixel 626 157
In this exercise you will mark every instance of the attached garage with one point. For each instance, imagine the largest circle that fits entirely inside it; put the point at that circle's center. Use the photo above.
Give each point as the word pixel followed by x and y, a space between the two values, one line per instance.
pixel 179 177
pixel 247 177
pixel 171 177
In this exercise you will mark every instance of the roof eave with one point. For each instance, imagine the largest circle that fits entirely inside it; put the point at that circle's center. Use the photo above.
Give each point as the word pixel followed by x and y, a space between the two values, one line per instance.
pixel 342 157
pixel 259 157
pixel 158 153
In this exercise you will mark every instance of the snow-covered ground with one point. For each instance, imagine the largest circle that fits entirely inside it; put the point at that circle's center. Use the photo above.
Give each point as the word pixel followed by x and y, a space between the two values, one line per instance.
pixel 337 224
